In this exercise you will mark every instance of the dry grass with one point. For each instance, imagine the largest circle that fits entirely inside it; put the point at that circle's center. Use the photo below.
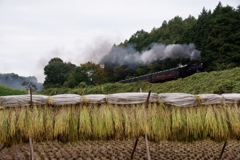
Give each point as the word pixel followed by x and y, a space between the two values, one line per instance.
pixel 107 122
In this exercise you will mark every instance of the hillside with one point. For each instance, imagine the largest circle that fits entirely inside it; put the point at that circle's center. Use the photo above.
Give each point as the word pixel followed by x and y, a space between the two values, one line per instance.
pixel 13 80
pixel 226 81
pixel 10 91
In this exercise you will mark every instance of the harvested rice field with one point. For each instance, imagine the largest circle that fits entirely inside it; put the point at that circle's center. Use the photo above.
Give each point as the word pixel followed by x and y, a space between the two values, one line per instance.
pixel 116 149
pixel 179 126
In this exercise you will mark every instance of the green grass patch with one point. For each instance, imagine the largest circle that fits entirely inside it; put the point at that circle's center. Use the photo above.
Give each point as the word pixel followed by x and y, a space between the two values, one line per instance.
pixel 4 91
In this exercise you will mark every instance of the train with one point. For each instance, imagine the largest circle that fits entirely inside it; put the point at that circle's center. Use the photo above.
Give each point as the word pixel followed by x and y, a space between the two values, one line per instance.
pixel 181 71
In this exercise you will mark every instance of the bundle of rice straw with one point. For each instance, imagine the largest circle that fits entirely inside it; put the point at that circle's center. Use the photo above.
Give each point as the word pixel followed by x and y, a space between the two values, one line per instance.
pixel 231 98
pixel 65 99
pixel 178 99
pixel 208 99
pixel 95 98
pixel 22 100
pixel 131 98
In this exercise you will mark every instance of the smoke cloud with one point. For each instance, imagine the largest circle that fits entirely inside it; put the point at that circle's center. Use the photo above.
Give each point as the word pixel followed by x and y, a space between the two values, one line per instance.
pixel 93 52
pixel 129 56
pixel 102 51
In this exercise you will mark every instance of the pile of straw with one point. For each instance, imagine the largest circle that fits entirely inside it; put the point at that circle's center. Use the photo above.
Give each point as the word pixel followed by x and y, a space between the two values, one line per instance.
pixel 86 121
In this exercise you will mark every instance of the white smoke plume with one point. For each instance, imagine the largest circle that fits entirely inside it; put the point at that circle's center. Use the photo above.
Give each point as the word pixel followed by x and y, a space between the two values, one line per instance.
pixel 129 56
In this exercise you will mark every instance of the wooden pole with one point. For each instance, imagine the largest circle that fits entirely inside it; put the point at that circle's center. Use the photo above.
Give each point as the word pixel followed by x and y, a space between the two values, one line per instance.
pixel 146 138
pixel 4 145
pixel 149 93
pixel 220 157
pixel 145 135
pixel 30 138
pixel 147 147
pixel 30 88
pixel 31 149
pixel 134 148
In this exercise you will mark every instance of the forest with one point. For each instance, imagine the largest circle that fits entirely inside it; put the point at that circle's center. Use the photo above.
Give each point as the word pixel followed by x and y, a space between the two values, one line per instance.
pixel 212 39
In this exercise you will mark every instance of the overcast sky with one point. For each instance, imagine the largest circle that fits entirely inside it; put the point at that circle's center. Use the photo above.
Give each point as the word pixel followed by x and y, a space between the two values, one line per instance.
pixel 34 31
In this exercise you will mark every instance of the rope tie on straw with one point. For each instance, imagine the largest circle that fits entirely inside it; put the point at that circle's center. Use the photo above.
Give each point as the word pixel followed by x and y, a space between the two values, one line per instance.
pixel 106 99
pixel 199 100
pixel 158 100
pixel 222 100
pixel 84 100
pixel 49 100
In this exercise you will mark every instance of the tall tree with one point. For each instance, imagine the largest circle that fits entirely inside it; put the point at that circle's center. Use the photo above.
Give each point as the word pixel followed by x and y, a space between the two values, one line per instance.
pixel 224 40
pixel 90 73
pixel 140 39
pixel 217 35
pixel 57 72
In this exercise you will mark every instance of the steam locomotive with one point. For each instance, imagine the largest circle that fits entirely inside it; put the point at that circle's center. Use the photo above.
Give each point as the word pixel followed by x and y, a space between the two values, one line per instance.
pixel 166 75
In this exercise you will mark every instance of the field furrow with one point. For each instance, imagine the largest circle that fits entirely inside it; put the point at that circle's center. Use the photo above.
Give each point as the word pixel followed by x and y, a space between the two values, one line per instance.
pixel 108 150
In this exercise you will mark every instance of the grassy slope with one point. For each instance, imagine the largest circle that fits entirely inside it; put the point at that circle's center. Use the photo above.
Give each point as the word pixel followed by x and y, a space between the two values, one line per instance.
pixel 10 91
pixel 227 81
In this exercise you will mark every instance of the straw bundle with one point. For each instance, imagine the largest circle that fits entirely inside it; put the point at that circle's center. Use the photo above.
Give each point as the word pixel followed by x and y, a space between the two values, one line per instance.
pixel 95 98
pixel 131 98
pixel 105 121
pixel 22 100
pixel 84 123
pixel 65 99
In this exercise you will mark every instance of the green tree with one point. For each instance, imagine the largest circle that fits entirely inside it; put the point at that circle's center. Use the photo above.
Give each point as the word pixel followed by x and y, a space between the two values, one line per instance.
pixel 90 73
pixel 224 40
pixel 57 72
pixel 217 35
pixel 141 70
pixel 171 32
pixel 140 39
pixel 120 73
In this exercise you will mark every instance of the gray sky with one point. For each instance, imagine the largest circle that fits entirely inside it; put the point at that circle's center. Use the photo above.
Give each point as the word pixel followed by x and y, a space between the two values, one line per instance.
pixel 34 31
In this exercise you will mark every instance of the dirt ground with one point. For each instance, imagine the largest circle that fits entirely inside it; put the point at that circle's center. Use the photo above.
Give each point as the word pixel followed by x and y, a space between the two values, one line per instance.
pixel 110 150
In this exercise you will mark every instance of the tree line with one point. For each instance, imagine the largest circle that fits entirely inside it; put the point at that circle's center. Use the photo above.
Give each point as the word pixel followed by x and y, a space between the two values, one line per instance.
pixel 215 33
pixel 62 74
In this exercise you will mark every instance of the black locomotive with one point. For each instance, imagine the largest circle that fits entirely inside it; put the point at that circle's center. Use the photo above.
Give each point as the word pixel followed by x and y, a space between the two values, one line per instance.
pixel 166 75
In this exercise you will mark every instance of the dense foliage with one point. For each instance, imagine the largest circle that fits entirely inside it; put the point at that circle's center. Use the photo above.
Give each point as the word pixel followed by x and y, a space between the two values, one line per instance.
pixel 59 73
pixel 88 73
pixel 169 33
pixel 217 35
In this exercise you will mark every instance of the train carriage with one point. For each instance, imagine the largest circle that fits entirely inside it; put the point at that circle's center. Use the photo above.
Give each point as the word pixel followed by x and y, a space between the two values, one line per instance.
pixel 166 75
